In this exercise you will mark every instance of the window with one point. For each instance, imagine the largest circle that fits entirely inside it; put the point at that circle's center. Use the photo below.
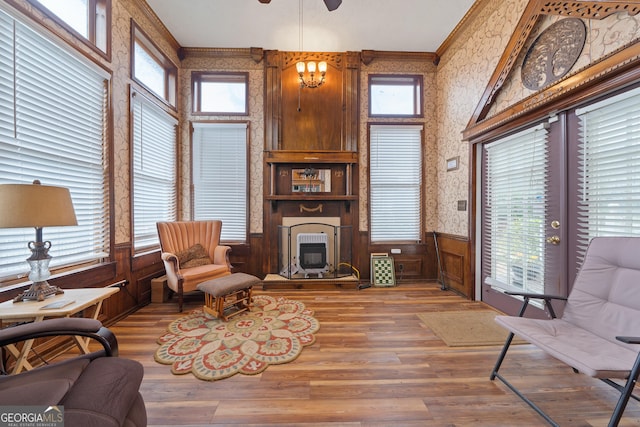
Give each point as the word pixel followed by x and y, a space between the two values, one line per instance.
pixel 515 211
pixel 220 176
pixel 220 93
pixel 154 152
pixel 53 116
pixel 609 169
pixel 395 96
pixel 151 68
pixel 395 171
pixel 90 19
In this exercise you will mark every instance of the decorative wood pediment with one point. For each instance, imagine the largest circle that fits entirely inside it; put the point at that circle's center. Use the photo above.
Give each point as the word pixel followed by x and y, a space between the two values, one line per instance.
pixel 536 10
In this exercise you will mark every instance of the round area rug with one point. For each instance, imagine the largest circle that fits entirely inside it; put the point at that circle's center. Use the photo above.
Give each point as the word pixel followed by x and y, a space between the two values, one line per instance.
pixel 273 332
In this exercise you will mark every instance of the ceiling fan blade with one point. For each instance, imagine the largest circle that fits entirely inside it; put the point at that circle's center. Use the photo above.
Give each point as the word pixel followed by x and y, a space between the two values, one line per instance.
pixel 265 1
pixel 332 4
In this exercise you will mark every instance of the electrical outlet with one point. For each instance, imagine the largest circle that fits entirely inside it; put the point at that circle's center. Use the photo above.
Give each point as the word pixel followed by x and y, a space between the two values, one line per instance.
pixel 401 267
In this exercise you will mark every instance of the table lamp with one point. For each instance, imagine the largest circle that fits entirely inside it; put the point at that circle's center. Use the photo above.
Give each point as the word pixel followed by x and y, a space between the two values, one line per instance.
pixel 38 206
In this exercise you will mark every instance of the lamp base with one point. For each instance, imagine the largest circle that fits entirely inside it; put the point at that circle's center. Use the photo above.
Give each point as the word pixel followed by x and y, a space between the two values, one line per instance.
pixel 38 291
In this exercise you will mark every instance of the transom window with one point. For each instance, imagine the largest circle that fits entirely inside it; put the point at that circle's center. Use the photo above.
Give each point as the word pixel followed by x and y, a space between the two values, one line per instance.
pixel 151 68
pixel 89 19
pixel 395 96
pixel 220 93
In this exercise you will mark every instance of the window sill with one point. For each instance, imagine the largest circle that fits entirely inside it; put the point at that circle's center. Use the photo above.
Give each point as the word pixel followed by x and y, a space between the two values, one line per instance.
pixel 87 277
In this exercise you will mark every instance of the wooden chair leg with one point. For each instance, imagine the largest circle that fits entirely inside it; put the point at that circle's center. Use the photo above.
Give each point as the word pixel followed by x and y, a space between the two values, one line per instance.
pixel 180 296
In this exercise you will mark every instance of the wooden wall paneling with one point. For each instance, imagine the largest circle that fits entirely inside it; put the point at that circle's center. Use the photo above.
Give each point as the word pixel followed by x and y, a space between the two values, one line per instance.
pixel 312 118
pixel 351 102
pixel 272 90
pixel 256 255
pixel 410 263
pixel 454 256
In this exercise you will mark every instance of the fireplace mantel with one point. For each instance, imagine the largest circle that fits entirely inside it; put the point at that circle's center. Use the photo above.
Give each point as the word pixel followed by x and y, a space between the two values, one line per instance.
pixel 332 191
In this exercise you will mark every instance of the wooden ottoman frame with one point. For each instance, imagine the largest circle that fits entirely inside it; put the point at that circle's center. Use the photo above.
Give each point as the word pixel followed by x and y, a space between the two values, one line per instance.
pixel 227 296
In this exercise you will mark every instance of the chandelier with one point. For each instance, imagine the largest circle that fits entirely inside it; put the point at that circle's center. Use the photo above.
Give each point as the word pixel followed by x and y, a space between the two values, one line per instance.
pixel 311 81
pixel 311 67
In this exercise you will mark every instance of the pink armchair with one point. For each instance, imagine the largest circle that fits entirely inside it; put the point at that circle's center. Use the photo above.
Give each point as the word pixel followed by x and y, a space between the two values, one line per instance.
pixel 192 254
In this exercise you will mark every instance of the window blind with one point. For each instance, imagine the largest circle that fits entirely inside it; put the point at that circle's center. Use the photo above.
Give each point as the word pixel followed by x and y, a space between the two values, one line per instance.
pixel 609 169
pixel 220 176
pixel 154 171
pixel 53 105
pixel 395 170
pixel 514 216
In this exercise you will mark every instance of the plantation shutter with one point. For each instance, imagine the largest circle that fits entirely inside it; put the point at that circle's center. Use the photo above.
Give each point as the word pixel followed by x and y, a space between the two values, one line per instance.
pixel 514 215
pixel 395 170
pixel 53 105
pixel 154 171
pixel 609 169
pixel 220 176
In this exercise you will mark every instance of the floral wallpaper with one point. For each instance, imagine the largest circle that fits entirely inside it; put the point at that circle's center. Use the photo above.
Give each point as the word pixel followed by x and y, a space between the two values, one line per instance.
pixel 119 67
pixel 603 38
pixel 427 70
pixel 256 125
pixel 452 90
pixel 463 73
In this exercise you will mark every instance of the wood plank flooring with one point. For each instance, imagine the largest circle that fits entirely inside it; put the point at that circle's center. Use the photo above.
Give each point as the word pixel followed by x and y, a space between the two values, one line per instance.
pixel 374 363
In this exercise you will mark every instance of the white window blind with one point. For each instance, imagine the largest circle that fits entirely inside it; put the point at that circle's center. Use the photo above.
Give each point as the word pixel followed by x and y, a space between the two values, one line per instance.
pixel 514 193
pixel 609 169
pixel 220 176
pixel 395 170
pixel 154 171
pixel 53 105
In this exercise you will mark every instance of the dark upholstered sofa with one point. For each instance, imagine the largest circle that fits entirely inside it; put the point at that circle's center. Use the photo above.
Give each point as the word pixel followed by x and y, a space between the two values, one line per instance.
pixel 97 389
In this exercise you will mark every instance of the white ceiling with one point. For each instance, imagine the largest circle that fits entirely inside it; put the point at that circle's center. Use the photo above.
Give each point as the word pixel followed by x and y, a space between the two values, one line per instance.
pixel 395 25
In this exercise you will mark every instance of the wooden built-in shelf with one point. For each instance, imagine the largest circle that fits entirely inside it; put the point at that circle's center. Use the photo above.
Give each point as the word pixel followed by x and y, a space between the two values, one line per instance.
pixel 303 156
pixel 315 197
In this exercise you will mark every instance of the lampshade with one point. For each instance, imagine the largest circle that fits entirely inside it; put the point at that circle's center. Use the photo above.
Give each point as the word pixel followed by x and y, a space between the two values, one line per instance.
pixel 35 205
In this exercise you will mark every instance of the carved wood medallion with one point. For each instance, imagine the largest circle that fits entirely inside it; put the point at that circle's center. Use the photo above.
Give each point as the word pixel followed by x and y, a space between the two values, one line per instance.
pixel 553 53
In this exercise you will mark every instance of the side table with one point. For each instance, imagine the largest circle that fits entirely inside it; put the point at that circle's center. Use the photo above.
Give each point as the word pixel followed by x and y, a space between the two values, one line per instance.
pixel 71 302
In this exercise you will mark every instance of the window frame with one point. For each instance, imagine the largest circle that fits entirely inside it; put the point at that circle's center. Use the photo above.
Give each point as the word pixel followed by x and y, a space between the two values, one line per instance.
pixel 170 78
pixel 92 30
pixel 515 211
pixel 150 104
pixel 420 181
pixel 198 77
pixel 414 80
pixel 203 124
pixel 100 245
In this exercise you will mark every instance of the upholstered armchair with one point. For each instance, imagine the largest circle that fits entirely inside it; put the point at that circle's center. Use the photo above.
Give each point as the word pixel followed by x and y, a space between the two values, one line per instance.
pixel 97 389
pixel 192 254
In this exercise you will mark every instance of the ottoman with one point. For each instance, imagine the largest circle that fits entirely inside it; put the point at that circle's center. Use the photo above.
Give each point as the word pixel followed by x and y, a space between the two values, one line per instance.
pixel 227 296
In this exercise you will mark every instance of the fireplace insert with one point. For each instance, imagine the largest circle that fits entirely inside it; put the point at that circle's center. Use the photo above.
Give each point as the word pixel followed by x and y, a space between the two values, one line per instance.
pixel 311 250
pixel 313 253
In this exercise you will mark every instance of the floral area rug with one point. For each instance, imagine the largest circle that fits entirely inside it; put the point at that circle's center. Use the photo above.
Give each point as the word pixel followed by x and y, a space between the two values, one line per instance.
pixel 273 332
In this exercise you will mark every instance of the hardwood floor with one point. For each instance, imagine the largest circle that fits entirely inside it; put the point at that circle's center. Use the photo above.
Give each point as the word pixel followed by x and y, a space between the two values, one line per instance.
pixel 373 364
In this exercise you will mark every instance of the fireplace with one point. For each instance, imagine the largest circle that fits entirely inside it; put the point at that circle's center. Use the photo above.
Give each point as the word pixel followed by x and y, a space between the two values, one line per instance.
pixel 309 250
pixel 313 253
